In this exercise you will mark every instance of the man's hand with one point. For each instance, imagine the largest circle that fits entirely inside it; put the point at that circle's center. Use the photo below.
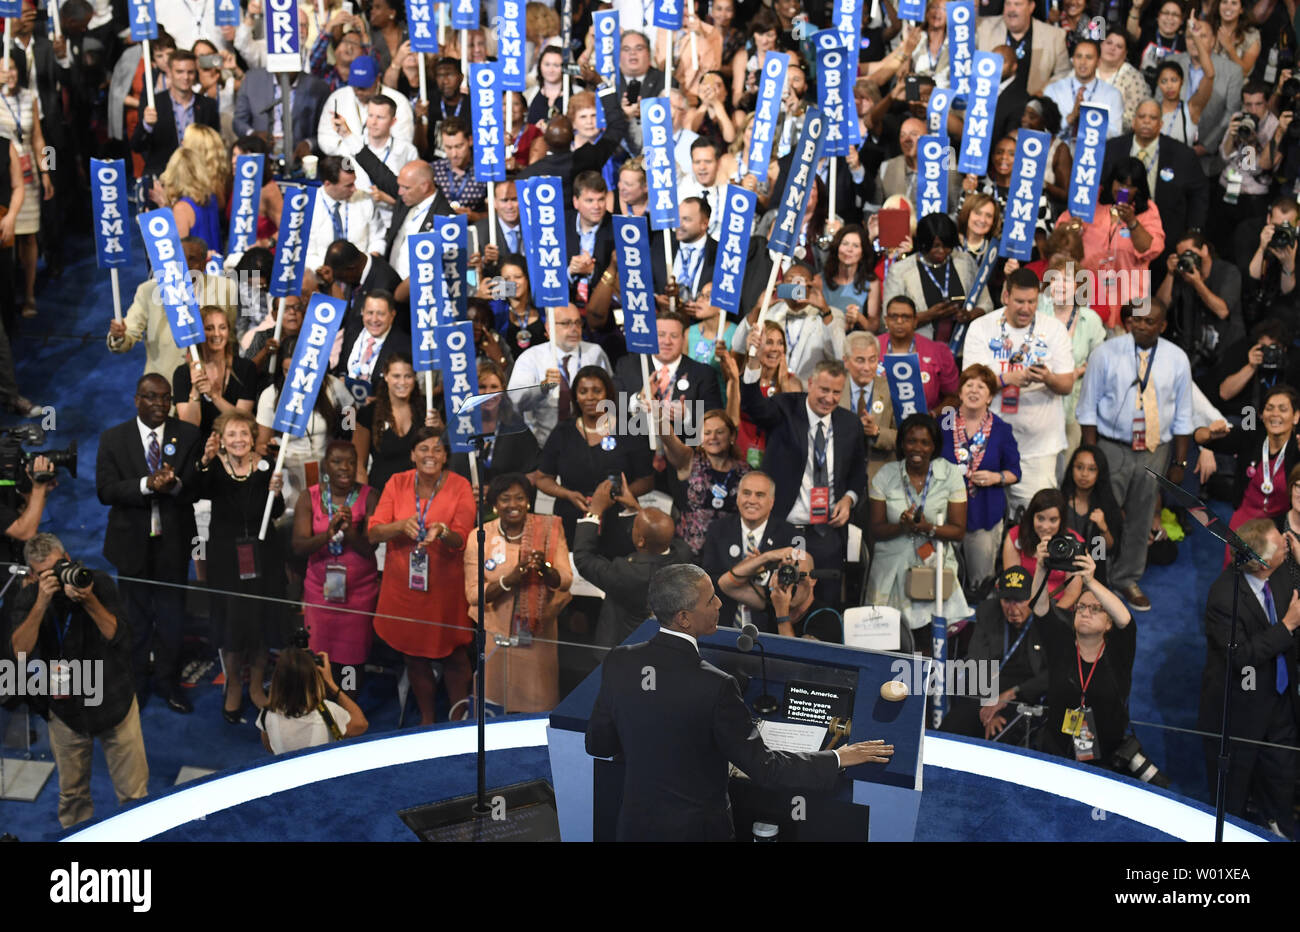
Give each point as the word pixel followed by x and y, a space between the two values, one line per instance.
pixel 1037 374
pixel 599 502
pixel 552 377
pixel 582 264
pixel 780 596
pixel 1085 568
pixel 324 278
pixel 840 515
pixel 150 116
pixel 869 426
pixel 866 752
pixel 1206 465
pixel 1017 377
pixel 340 125
pixel 1292 617
pixel 116 330
pixel 49 587
pixel 79 595
pixel 163 479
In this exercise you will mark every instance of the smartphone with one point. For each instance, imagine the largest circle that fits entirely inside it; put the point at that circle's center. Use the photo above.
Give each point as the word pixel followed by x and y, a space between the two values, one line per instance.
pixel 895 226
pixel 1122 196
pixel 347 7
pixel 793 291
pixel 912 92
pixel 257 25
pixel 633 90
pixel 615 485
pixel 208 62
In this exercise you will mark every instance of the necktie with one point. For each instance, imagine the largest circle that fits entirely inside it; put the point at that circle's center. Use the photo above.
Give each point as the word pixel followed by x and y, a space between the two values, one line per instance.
pixel 663 383
pixel 751 544
pixel 337 219
pixel 512 240
pixel 1147 403
pixel 1148 159
pixel 155 453
pixel 819 457
pixel 369 351
pixel 1282 677
pixel 566 395
pixel 862 400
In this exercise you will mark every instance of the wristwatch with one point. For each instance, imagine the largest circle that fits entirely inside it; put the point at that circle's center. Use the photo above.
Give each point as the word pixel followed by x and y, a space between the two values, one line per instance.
pixel 1181 464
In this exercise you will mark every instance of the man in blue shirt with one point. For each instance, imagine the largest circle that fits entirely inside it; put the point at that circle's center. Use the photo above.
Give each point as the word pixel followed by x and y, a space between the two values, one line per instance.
pixel 1136 398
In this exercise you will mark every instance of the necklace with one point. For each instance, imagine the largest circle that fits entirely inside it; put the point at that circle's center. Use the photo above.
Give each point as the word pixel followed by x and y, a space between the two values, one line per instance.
pixel 519 536
pixel 230 468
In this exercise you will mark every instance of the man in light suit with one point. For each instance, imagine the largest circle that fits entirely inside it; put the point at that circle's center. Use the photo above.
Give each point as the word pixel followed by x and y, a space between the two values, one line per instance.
pixel 867 396
pixel 258 108
pixel 1042 44
pixel 678 738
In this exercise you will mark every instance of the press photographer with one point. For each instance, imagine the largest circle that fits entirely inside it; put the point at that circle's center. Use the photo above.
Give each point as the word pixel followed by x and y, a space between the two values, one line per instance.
pixel 1270 274
pixel 787 594
pixel 1202 299
pixel 26 480
pixel 307 708
pixel 1251 367
pixel 1251 149
pixel 71 618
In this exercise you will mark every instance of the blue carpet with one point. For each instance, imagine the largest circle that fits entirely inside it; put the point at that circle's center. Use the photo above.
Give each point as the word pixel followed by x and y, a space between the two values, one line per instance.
pixel 62 360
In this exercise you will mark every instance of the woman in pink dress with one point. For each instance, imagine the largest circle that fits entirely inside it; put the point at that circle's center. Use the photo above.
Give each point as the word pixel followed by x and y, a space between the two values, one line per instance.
pixel 342 583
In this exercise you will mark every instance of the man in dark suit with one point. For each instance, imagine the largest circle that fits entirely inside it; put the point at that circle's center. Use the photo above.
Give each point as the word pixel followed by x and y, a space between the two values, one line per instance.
pixel 567 163
pixel 817 458
pixel 510 233
pixel 636 79
pixel 589 232
pixel 146 472
pixel 418 199
pixel 258 108
pixel 732 538
pixel 675 378
pixel 676 721
pixel 625 580
pixel 159 132
pixel 352 274
pixel 1263 679
pixel 1181 190
pixel 370 339
pixel 694 254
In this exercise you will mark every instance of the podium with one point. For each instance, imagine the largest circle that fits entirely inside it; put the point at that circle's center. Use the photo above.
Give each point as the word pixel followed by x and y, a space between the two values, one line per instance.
pixel 805 677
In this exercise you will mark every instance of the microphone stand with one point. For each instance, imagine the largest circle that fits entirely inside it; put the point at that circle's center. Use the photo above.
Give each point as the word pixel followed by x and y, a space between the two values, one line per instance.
pixel 481 807
pixel 765 704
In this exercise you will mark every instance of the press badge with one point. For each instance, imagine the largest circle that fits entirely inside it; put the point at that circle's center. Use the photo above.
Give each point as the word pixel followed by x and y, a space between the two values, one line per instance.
pixel 1011 399
pixel 60 680
pixel 336 582
pixel 29 176
pixel 819 504
pixel 1085 742
pixel 1140 432
pixel 246 557
pixel 418 576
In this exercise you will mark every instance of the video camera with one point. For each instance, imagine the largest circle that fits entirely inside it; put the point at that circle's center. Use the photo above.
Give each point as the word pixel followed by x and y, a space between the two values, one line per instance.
pixel 15 460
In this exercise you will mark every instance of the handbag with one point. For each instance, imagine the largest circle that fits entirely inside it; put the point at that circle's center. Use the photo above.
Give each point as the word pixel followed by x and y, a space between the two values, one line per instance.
pixel 919 583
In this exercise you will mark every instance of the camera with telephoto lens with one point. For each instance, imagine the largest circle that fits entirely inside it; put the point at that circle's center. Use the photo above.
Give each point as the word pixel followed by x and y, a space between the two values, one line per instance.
pixel 1061 552
pixel 1284 235
pixel 15 460
pixel 1129 760
pixel 1189 261
pixel 1274 355
pixel 1246 126
pixel 787 575
pixel 73 573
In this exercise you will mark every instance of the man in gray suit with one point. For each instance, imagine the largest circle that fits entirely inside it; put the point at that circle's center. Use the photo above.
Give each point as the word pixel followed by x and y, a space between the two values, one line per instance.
pixel 1225 100
pixel 898 175
pixel 257 107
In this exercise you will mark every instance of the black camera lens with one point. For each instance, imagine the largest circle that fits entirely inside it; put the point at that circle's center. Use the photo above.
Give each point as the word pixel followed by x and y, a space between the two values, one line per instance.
pixel 72 573
pixel 787 574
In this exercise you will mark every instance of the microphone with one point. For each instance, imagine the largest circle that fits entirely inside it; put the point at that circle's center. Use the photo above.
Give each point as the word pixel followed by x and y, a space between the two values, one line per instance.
pixel 745 643
pixel 765 704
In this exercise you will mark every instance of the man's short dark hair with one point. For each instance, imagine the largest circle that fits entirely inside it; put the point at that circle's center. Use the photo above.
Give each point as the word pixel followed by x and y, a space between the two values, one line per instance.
pixel 253 145
pixel 589 181
pixel 701 203
pixel 454 126
pixel 705 143
pixel 331 167
pixel 182 55
pixel 673 590
pixel 384 100
pixel 901 299
pixel 1096 46
pixel 148 377
pixel 386 296
pixel 342 254
pixel 1256 87
pixel 448 62
pixel 1023 278
pixel 1270 327
pixel 1285 202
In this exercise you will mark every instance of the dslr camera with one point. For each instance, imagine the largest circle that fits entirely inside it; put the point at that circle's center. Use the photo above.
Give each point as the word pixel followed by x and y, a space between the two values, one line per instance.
pixel 15 459
pixel 788 575
pixel 73 573
pixel 1246 127
pixel 1274 356
pixel 1284 237
pixel 1189 261
pixel 301 639
pixel 1061 552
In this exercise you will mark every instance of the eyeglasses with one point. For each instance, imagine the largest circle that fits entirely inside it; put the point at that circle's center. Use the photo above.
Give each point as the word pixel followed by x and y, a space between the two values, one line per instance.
pixel 1089 608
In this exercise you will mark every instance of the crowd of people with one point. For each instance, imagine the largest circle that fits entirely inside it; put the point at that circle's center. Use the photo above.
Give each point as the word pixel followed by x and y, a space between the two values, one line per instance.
pixel 1159 334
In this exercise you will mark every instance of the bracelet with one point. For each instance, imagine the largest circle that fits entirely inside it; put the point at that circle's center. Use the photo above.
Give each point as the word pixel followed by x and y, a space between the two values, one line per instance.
pixel 502 583
pixel 781 619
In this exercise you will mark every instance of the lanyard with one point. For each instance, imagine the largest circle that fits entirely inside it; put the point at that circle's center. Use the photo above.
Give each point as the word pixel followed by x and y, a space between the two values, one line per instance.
pixel 1007 654
pixel 63 632
pixel 918 503
pixel 1266 484
pixel 18 120
pixel 421 512
pixel 688 272
pixel 465 180
pixel 327 506
pixel 791 338
pixel 1076 87
pixel 947 275
pixel 1024 347
pixel 1078 656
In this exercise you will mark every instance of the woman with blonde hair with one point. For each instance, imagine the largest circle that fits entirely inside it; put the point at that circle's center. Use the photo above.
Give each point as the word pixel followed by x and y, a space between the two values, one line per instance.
pixel 20 120
pixel 207 142
pixel 185 188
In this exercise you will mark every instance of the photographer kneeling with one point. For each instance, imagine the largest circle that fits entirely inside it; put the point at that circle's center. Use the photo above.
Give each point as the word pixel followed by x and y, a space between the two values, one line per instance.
pixel 72 618
pixel 1089 665
pixel 307 709
pixel 786 595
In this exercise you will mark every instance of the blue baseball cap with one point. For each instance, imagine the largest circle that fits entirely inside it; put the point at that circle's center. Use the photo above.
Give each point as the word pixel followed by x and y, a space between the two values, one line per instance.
pixel 363 73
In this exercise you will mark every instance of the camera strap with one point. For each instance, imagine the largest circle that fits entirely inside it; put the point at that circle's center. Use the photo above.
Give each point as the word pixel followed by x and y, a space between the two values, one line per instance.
pixel 333 726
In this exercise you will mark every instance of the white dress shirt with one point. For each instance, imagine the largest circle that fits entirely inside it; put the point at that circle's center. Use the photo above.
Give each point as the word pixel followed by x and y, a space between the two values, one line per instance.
pixel 801 512
pixel 690 259
pixel 1097 92
pixel 353 113
pixel 358 366
pixel 188 21
pixel 541 407
pixel 356 215
pixel 692 188
pixel 681 634
pixel 399 258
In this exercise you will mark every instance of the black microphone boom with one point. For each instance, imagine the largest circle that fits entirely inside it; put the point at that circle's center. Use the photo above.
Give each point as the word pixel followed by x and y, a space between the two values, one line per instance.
pixel 765 704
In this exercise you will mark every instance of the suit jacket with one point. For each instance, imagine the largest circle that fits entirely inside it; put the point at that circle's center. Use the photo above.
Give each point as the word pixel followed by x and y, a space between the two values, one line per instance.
pixel 724 547
pixel 380 277
pixel 844 201
pixel 591 157
pixel 677 740
pixel 481 225
pixel 397 341
pixel 652 84
pixel 986 644
pixel 1225 100
pixel 893 180
pixel 626 581
pixel 658 268
pixel 700 394
pixel 1258 646
pixel 255 103
pixel 881 445
pixel 158 144
pixel 385 180
pixel 53 122
pixel 785 418
pixel 1049 58
pixel 119 466
pixel 1182 191
pixel 603 252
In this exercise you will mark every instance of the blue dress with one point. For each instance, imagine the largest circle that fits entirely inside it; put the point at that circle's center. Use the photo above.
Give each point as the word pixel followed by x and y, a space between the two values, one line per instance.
pixel 985 505
pixel 207 223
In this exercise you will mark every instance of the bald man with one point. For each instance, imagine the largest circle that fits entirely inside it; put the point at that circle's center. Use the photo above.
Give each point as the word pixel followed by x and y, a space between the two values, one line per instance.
pixel 793 607
pixel 418 202
pixel 625 580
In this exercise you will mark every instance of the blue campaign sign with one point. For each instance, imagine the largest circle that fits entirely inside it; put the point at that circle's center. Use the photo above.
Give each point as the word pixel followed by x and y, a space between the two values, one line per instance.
pixel 464 14
pixel 226 13
pixel 961 45
pixel 291 241
pixel 546 217
pixel 485 108
pixel 527 226
pixel 667 14
pixel 932 175
pixel 911 10
pixel 310 365
pixel 422 26
pixel 1089 149
pixel 1027 174
pixel 453 244
pixel 660 163
pixel 936 111
pixel 283 43
pixel 636 284
pixel 108 205
pixel 768 107
pixel 903 373
pixel 144 24
pixel 245 200
pixel 426 269
pixel 977 140
pixel 834 90
pixel 803 175
pixel 738 209
pixel 175 287
pixel 846 19
pixel 605 25
pixel 459 381
pixel 510 45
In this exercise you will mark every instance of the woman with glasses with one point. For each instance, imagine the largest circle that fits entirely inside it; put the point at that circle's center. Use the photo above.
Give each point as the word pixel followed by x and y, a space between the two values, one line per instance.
pixel 1089 664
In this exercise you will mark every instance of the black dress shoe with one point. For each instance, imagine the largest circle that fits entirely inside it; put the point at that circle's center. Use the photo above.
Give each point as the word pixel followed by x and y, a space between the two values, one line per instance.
pixel 232 716
pixel 178 703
